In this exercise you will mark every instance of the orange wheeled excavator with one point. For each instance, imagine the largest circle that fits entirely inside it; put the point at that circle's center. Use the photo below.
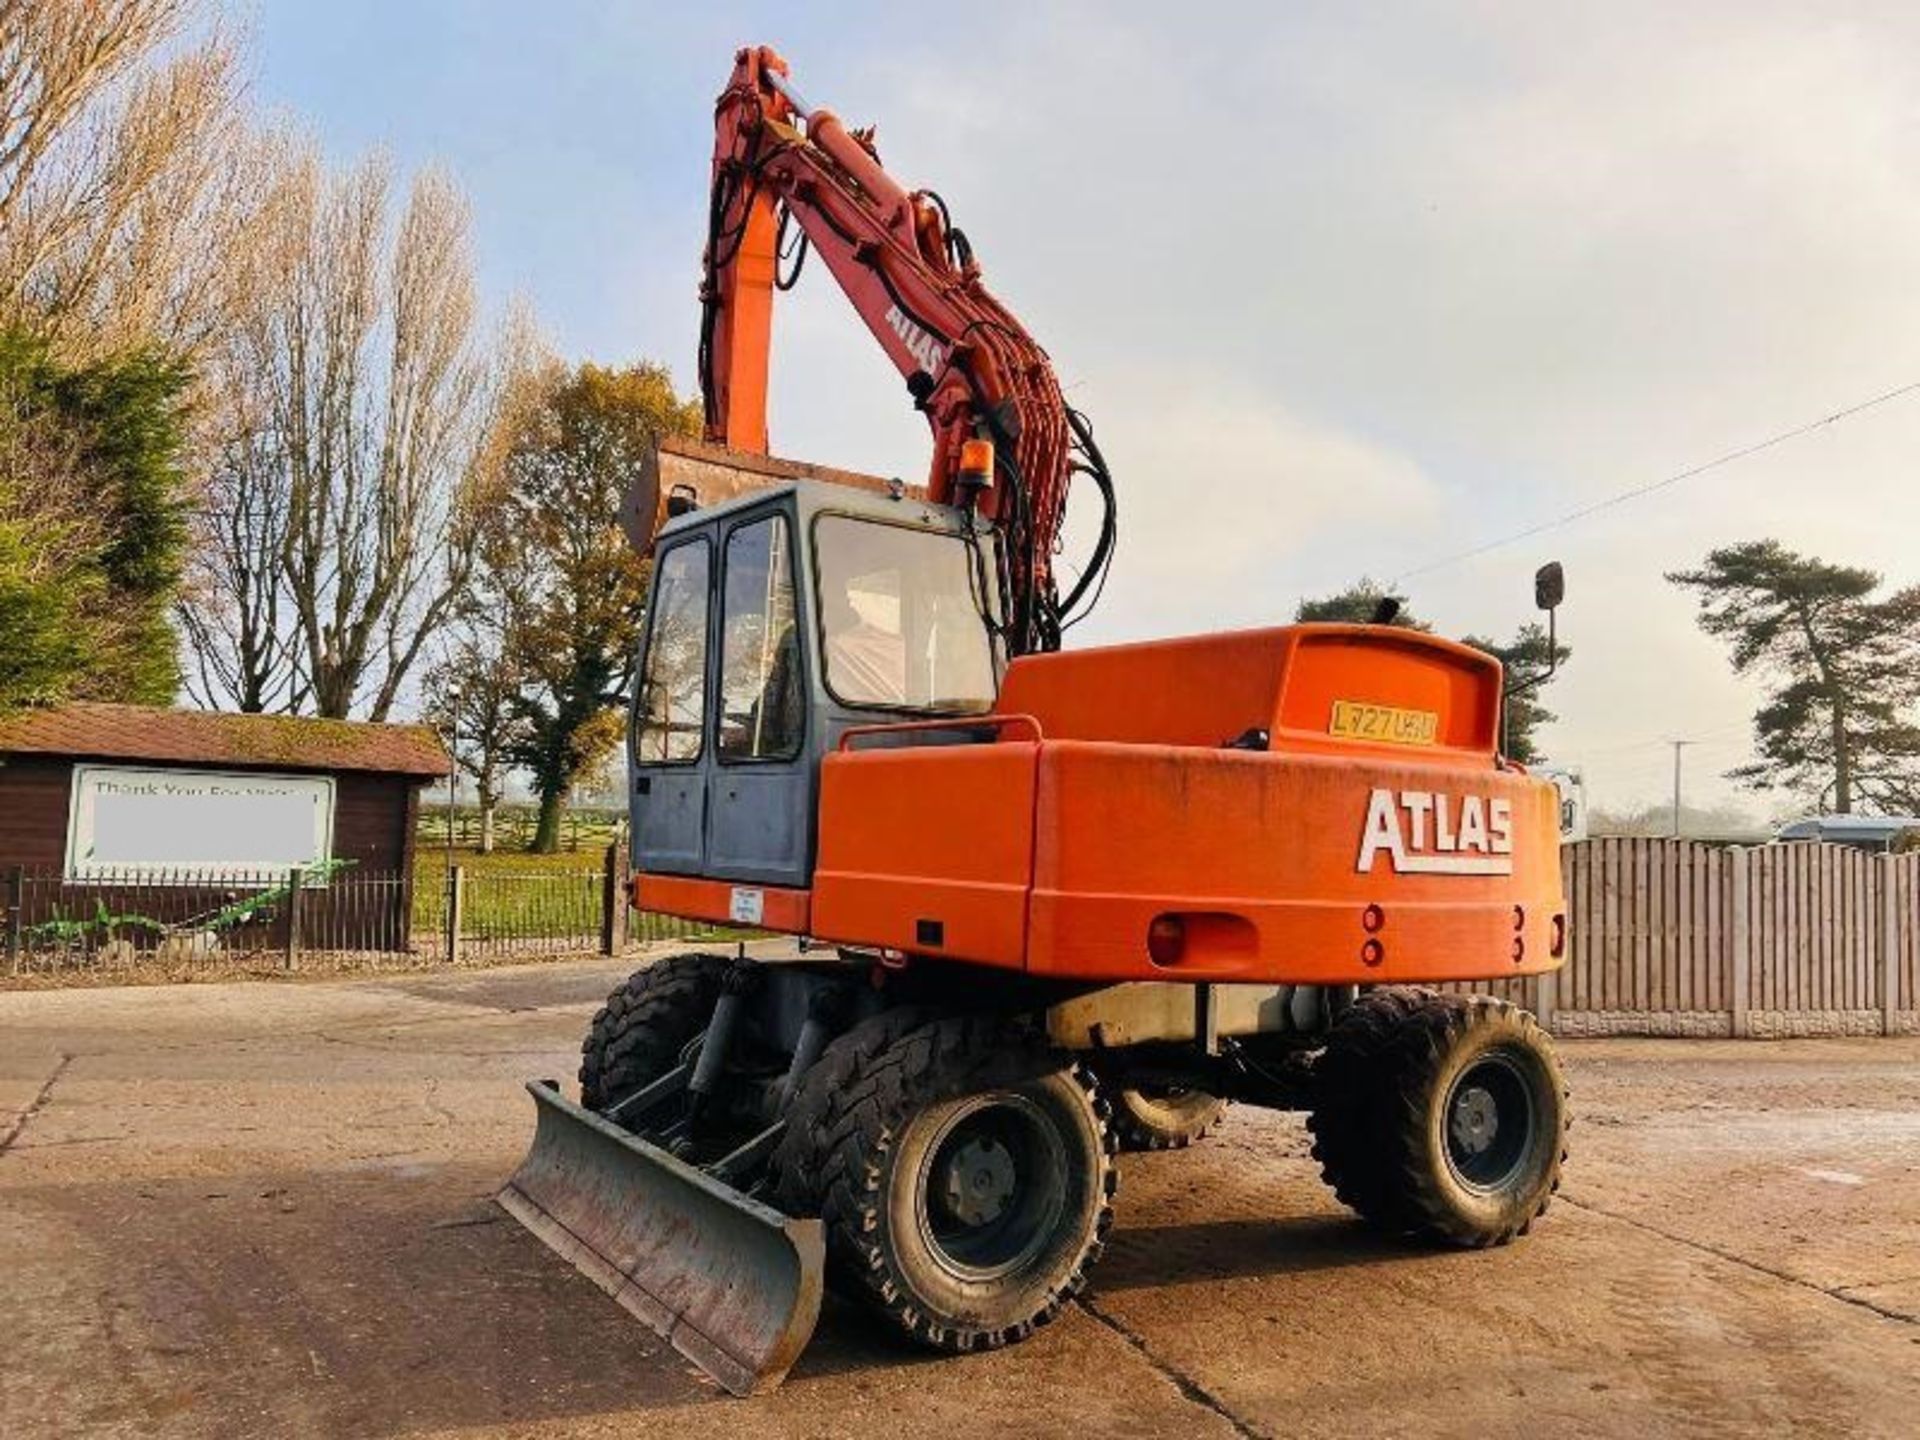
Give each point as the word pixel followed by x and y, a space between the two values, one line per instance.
pixel 1041 905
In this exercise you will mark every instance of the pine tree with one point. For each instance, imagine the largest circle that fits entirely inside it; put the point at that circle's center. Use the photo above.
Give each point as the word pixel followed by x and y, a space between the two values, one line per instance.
pixel 1843 671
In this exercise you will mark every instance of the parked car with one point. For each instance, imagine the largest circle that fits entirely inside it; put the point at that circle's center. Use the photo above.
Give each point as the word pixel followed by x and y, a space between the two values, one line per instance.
pixel 1879 834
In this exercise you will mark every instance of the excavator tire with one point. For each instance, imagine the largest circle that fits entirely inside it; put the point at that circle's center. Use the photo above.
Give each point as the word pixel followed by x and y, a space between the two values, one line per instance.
pixel 1349 1086
pixel 1442 1116
pixel 645 1025
pixel 964 1171
pixel 1162 1119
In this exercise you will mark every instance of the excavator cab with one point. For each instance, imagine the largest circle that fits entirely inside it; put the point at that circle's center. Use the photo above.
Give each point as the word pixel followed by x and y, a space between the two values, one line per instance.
pixel 778 621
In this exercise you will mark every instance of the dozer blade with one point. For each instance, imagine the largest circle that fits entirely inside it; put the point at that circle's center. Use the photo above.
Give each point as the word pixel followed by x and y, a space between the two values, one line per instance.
pixel 733 1284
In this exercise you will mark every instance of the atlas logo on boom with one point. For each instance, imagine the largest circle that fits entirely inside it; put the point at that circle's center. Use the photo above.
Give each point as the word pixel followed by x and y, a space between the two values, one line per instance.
pixel 1429 832
pixel 920 344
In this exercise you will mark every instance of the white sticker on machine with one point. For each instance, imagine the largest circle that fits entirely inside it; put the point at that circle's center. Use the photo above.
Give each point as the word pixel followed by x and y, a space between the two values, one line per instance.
pixel 746 907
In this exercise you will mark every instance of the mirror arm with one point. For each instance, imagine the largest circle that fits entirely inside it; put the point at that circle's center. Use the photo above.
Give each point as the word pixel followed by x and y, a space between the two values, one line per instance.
pixel 1534 681
pixel 1549 586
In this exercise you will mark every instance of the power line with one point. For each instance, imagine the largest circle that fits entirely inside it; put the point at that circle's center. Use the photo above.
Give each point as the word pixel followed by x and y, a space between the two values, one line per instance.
pixel 1698 737
pixel 1641 490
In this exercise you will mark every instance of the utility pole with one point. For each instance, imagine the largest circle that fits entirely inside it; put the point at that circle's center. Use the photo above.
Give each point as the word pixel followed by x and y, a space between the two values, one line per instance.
pixel 1679 747
pixel 453 774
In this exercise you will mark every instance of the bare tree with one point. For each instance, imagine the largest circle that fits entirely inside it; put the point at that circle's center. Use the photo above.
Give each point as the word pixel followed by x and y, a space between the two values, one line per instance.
pixel 473 700
pixel 361 392
pixel 344 389
pixel 234 609
pixel 127 173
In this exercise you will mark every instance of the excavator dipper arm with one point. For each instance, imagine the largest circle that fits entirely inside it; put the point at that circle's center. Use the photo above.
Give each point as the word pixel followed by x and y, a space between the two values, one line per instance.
pixel 970 366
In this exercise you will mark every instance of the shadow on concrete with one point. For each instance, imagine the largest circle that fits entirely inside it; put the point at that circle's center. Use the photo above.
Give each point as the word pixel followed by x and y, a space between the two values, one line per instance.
pixel 1142 1257
pixel 1152 1255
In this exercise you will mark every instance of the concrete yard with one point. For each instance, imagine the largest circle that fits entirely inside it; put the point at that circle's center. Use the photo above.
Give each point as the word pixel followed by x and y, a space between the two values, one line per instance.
pixel 263 1210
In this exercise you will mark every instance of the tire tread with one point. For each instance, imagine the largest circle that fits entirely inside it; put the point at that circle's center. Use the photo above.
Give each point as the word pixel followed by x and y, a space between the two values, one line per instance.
pixel 1369 1119
pixel 843 1125
pixel 638 1034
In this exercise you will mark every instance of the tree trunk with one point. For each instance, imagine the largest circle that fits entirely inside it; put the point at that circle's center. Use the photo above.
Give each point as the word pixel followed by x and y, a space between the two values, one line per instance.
pixel 486 827
pixel 1842 762
pixel 546 833
pixel 331 699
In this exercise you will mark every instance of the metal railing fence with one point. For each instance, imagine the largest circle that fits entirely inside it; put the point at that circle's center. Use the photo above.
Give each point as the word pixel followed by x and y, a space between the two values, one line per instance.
pixel 177 921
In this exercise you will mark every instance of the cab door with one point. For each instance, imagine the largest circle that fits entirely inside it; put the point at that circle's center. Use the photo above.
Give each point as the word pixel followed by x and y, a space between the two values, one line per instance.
pixel 760 780
pixel 669 755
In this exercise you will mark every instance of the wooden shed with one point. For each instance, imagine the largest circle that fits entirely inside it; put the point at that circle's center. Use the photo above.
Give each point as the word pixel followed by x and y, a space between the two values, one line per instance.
pixel 172 814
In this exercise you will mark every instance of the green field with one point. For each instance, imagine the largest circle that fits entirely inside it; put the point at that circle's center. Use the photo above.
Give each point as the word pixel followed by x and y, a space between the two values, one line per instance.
pixel 583 831
pixel 511 892
pixel 511 895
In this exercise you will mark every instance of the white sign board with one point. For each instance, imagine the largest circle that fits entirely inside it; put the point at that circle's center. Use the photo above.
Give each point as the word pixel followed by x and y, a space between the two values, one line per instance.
pixel 195 825
pixel 1571 782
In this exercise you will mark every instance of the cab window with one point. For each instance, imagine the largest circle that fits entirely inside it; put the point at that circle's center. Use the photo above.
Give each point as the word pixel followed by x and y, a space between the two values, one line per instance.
pixel 900 618
pixel 672 710
pixel 762 715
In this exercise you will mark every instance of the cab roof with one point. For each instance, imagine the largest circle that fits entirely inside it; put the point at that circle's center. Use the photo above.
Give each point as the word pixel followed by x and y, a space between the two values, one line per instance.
pixel 813 497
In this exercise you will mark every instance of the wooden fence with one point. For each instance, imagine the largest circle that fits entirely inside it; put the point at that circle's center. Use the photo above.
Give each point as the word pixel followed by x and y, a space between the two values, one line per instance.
pixel 1671 937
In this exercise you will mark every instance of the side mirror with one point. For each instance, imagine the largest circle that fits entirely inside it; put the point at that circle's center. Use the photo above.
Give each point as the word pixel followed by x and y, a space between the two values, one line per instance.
pixel 1549 589
pixel 1549 586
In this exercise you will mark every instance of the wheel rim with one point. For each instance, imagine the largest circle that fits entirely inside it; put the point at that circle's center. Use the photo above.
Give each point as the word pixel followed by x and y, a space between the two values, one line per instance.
pixel 992 1187
pixel 1490 1118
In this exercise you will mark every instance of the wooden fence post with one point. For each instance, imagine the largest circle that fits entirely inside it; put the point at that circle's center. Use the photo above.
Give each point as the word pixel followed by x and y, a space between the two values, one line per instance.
pixel 1544 996
pixel 1740 938
pixel 16 916
pixel 613 903
pixel 1889 942
pixel 456 910
pixel 292 956
pixel 1543 983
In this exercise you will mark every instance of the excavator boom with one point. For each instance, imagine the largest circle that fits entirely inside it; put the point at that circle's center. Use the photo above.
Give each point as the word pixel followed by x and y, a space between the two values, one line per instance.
pixel 968 363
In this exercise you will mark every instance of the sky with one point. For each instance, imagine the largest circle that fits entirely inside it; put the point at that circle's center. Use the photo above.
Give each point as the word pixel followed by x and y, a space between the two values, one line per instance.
pixel 1345 290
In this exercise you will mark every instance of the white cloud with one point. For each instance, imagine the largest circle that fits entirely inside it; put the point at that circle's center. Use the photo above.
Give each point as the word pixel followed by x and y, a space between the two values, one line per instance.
pixel 1229 501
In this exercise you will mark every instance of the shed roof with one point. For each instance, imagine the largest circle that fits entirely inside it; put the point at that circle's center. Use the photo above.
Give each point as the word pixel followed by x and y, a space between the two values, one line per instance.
pixel 94 731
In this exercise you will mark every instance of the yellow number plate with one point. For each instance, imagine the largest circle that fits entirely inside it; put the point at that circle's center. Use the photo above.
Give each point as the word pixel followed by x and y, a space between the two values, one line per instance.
pixel 1356 720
